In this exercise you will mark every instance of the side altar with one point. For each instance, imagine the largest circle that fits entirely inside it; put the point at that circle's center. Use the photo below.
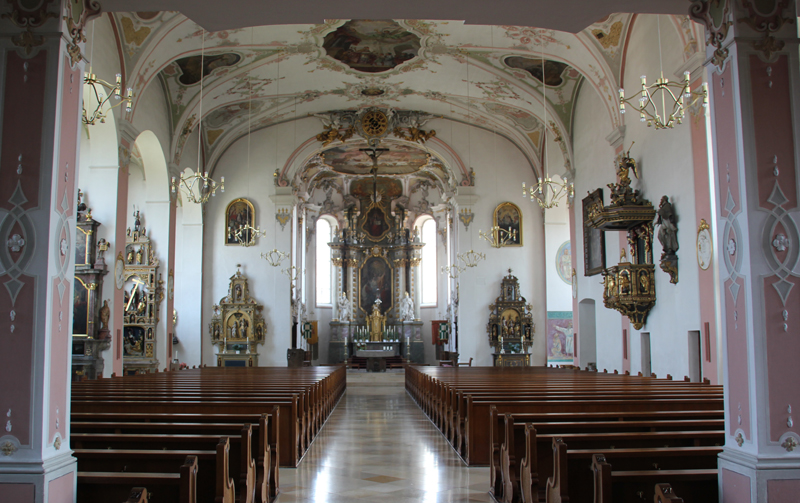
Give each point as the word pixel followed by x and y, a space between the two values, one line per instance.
pixel 510 328
pixel 237 327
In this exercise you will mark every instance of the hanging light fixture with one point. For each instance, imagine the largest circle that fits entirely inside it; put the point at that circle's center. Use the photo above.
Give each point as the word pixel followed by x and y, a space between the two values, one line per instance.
pixel 671 96
pixel 547 192
pixel 198 185
pixel 103 92
pixel 499 237
pixel 246 235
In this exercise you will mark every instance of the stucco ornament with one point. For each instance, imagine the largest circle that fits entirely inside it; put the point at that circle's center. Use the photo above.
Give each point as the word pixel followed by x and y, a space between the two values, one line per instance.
pixel 731 247
pixel 64 247
pixel 15 243
pixel 781 242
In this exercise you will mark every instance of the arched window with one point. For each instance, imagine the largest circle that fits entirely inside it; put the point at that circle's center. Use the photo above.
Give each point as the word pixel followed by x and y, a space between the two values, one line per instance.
pixel 427 269
pixel 323 262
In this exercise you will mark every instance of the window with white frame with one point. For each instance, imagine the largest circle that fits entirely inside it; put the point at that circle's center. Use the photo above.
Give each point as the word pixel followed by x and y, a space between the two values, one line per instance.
pixel 323 262
pixel 428 276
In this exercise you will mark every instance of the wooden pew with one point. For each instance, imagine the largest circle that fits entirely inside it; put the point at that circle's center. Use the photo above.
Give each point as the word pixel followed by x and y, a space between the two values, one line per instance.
pixel 179 486
pixel 263 443
pixel 695 486
pixel 577 463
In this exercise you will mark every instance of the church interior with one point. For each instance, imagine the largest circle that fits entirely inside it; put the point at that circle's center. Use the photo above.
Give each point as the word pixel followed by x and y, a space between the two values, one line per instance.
pixel 480 232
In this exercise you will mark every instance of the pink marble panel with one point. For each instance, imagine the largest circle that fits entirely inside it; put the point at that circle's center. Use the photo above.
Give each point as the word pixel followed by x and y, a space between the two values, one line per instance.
pixel 171 267
pixel 16 372
pixel 725 125
pixel 702 202
pixel 783 349
pixel 119 245
pixel 783 491
pixel 17 493
pixel 738 369
pixel 574 250
pixel 735 487
pixel 23 116
pixel 61 490
pixel 772 121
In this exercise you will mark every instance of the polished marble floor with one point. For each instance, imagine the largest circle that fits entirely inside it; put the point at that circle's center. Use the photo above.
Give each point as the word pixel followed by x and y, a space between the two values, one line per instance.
pixel 379 446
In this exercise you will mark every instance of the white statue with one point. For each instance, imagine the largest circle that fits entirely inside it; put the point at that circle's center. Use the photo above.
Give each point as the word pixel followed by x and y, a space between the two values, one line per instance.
pixel 406 308
pixel 345 309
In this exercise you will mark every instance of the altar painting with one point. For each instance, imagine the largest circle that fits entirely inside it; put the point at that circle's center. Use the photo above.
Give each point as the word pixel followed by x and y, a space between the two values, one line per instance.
pixel 508 217
pixel 376 223
pixel 240 213
pixel 375 282
pixel 560 338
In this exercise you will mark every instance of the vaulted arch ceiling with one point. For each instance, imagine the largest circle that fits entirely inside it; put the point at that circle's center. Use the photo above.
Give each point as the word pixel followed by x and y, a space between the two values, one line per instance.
pixel 486 76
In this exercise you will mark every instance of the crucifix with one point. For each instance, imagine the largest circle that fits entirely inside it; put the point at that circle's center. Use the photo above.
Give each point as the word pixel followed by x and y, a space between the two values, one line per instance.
pixel 373 153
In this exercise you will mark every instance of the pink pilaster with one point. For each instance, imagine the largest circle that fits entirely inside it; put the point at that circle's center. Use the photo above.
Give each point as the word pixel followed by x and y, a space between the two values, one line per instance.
pixel 755 98
pixel 40 100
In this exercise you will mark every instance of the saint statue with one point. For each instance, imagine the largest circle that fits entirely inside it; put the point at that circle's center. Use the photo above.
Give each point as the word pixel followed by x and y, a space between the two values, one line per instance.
pixel 105 314
pixel 406 308
pixel 376 321
pixel 668 233
pixel 345 309
pixel 129 257
pixel 139 256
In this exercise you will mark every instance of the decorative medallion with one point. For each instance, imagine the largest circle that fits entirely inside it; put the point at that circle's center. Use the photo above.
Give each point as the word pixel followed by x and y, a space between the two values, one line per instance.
pixel 8 448
pixel 781 242
pixel 374 123
pixel 564 262
pixel 705 246
pixel 789 444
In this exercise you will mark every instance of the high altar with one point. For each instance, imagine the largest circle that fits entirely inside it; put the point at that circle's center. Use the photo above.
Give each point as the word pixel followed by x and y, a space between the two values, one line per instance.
pixel 376 261
pixel 237 325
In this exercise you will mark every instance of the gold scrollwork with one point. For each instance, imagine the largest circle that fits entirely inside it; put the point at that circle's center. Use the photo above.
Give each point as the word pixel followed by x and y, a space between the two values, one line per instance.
pixel 336 262
pixel 414 134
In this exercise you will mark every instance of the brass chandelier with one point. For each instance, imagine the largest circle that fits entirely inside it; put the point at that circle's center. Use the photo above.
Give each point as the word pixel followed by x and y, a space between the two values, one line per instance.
pixel 499 237
pixel 663 104
pixel 103 91
pixel 198 185
pixel 547 192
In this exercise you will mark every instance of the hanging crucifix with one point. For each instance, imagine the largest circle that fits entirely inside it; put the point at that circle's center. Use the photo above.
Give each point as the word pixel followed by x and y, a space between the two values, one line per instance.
pixel 373 154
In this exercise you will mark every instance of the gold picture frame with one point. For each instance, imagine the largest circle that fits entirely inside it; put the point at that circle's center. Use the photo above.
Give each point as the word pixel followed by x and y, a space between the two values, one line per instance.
pixel 238 213
pixel 508 216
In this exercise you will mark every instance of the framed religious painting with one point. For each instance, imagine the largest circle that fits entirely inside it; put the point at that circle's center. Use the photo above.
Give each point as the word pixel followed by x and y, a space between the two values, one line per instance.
pixel 240 217
pixel 508 217
pixel 594 240
pixel 375 283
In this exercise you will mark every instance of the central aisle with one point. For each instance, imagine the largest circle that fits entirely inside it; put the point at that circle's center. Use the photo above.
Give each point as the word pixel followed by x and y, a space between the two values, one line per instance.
pixel 378 446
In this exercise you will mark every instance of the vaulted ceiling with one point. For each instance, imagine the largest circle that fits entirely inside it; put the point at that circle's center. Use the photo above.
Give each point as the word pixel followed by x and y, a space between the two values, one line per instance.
pixel 487 76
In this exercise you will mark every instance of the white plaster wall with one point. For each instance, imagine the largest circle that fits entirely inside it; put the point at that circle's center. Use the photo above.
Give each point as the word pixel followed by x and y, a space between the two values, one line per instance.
pixel 556 228
pixel 665 162
pixel 189 283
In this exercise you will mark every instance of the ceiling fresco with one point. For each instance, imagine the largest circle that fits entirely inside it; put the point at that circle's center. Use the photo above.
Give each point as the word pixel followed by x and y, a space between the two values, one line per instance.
pixel 485 76
pixel 371 46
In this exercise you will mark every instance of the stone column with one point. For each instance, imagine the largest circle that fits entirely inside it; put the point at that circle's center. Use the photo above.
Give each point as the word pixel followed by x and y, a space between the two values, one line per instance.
pixel 41 94
pixel 755 98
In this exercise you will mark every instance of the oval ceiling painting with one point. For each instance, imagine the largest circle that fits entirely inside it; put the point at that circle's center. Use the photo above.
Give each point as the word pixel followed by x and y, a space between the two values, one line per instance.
pixel 399 160
pixel 371 46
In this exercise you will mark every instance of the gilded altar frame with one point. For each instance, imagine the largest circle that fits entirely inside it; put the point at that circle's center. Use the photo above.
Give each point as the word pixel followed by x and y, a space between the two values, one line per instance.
pixel 510 317
pixel 237 323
